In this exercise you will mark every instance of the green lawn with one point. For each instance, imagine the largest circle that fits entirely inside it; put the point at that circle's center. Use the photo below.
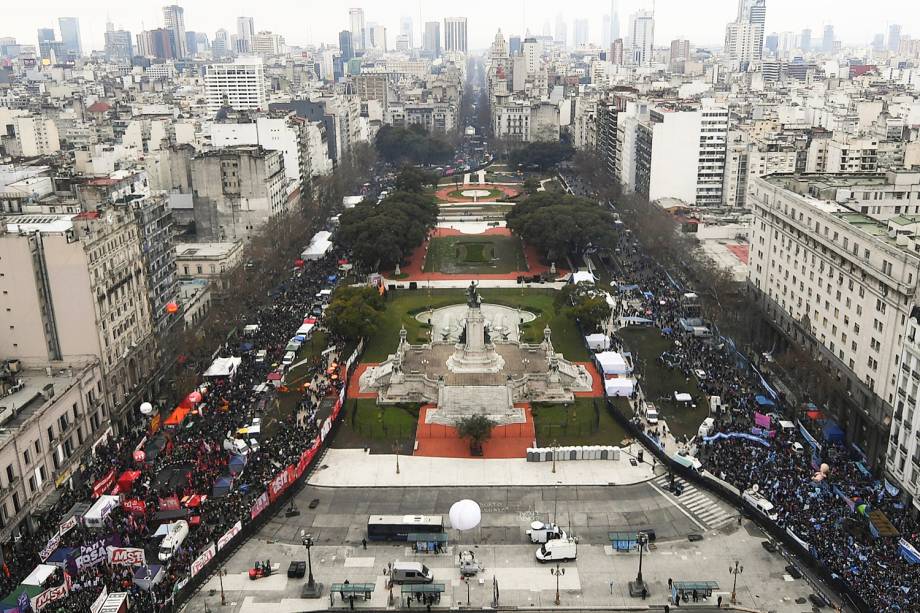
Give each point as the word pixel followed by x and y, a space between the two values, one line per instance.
pixel 576 424
pixel 403 305
pixel 479 254
pixel 660 382
pixel 378 427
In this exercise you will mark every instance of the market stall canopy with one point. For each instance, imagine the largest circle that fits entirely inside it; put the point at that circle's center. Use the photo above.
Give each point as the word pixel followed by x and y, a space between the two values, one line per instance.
pixel 620 386
pixel 97 513
pixel 582 276
pixel 612 363
pixel 598 342
pixel 177 416
pixel 39 575
pixel 683 397
pixel 319 245
pixel 223 367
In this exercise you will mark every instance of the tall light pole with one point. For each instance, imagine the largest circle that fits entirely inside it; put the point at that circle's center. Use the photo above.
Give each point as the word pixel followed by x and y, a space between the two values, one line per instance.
pixel 396 451
pixel 220 576
pixel 638 587
pixel 312 589
pixel 558 571
pixel 554 456
pixel 735 570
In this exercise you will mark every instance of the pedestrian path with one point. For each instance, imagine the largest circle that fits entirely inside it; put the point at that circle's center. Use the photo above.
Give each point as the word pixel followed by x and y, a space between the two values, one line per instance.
pixel 703 507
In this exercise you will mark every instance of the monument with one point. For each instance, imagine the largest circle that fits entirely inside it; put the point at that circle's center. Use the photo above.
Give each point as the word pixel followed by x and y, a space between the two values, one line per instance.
pixel 483 370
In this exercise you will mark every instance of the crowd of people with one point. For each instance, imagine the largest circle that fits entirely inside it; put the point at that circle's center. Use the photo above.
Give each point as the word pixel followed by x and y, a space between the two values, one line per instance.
pixel 185 462
pixel 827 513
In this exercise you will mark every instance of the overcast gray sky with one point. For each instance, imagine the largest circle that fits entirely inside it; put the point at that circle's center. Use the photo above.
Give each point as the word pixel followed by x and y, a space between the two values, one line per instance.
pixel 317 21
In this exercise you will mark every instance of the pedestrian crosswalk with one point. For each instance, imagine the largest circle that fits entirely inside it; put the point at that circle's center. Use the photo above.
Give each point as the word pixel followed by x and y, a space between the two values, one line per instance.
pixel 702 506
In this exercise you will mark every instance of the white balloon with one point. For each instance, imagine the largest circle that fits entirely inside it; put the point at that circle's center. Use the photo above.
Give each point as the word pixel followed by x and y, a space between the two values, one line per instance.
pixel 146 408
pixel 465 514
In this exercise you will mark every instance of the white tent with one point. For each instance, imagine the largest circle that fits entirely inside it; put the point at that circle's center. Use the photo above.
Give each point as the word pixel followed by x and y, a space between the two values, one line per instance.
pixel 95 517
pixel 598 342
pixel 223 367
pixel 683 397
pixel 612 363
pixel 350 202
pixel 305 329
pixel 319 245
pixel 39 575
pixel 582 276
pixel 619 386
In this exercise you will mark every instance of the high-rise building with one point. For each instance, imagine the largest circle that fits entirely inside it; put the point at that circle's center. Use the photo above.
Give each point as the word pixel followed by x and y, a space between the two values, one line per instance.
pixel 561 30
pixel 245 32
pixel 118 45
pixel 191 43
pixel 70 35
pixel 641 37
pixel 771 43
pixel 680 50
pixel 375 37
pixel 878 42
pixel 894 37
pixel 221 46
pixel 514 45
pixel 581 32
pixel 827 44
pixel 605 32
pixel 157 43
pixel 455 34
pixel 239 85
pixel 805 40
pixel 614 20
pixel 407 29
pixel 346 48
pixel 267 43
pixel 356 22
pixel 744 36
pixel 616 51
pixel 174 21
pixel 431 41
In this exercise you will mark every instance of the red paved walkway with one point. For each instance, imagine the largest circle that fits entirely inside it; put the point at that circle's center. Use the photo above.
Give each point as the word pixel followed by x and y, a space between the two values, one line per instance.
pixel 354 385
pixel 597 385
pixel 511 441
pixel 741 252
pixel 443 193
pixel 414 269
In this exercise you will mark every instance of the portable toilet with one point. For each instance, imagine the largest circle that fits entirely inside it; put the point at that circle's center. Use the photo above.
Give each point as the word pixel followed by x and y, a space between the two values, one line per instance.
pixel 547 454
pixel 579 452
pixel 602 453
pixel 595 452
pixel 615 453
pixel 531 454
pixel 589 452
pixel 561 453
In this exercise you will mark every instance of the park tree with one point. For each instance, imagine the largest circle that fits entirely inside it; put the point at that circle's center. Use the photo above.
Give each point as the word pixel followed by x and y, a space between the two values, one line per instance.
pixel 560 225
pixel 582 301
pixel 477 429
pixel 542 155
pixel 414 179
pixel 354 311
pixel 413 144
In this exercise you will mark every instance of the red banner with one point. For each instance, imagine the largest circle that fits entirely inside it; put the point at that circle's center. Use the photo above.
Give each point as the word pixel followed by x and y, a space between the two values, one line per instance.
pixel 259 505
pixel 305 458
pixel 69 524
pixel 134 506
pixel 102 485
pixel 280 483
pixel 202 560
pixel 226 538
pixel 169 504
pixel 50 595
pixel 126 556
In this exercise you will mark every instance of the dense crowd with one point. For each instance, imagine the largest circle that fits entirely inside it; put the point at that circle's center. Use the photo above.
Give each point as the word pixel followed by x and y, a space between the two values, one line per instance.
pixel 815 511
pixel 188 460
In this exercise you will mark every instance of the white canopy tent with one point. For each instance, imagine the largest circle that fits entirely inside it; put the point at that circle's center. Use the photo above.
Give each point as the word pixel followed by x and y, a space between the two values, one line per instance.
pixel 683 397
pixel 95 517
pixel 582 276
pixel 223 367
pixel 612 363
pixel 620 386
pixel 305 329
pixel 598 342
pixel 39 575
pixel 319 245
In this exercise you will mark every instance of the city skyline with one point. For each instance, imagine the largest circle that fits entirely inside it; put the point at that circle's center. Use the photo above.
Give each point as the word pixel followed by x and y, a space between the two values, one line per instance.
pixel 323 22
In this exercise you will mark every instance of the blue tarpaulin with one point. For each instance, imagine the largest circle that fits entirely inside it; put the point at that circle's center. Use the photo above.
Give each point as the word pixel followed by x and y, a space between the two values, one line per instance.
pixel 246 346
pixel 763 401
pixel 237 464
pixel 222 486
pixel 832 432
pixel 332 278
pixel 908 552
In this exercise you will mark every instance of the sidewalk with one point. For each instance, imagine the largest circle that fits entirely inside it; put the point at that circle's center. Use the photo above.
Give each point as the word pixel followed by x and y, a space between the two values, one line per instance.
pixel 355 468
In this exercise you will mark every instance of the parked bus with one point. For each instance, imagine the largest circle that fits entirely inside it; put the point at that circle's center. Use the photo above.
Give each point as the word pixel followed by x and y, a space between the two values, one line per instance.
pixel 399 527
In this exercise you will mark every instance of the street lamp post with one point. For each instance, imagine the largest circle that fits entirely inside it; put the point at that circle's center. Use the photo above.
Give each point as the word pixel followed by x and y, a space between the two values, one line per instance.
pixel 312 589
pixel 554 457
pixel 220 575
pixel 558 571
pixel 396 450
pixel 735 570
pixel 638 587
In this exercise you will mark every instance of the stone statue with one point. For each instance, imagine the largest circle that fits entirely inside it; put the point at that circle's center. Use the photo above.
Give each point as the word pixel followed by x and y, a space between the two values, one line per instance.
pixel 472 298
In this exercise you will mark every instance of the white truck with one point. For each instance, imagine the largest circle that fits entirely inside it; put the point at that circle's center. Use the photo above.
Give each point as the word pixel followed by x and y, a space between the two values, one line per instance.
pixel 175 536
pixel 557 550
pixel 543 532
pixel 761 504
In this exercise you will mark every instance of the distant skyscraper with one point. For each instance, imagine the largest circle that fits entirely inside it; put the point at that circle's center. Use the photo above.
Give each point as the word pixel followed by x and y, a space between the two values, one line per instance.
pixel 561 30
pixel 191 43
pixel 805 40
pixel 514 45
pixel 406 29
pixel 221 46
pixel 346 48
pixel 641 37
pixel 118 44
pixel 581 32
pixel 605 32
pixel 376 37
pixel 356 23
pixel 245 32
pixel 878 42
pixel 894 37
pixel 46 35
pixel 455 34
pixel 174 21
pixel 70 34
pixel 744 37
pixel 827 44
pixel 771 43
pixel 156 43
pixel 616 51
pixel 431 41
pixel 680 50
pixel 614 20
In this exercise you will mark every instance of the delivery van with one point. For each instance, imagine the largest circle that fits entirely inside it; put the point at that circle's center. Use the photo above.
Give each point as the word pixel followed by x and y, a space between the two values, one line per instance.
pixel 542 532
pixel 288 359
pixel 173 539
pixel 707 427
pixel 557 550
pixel 651 413
pixel 410 572
pixel 760 504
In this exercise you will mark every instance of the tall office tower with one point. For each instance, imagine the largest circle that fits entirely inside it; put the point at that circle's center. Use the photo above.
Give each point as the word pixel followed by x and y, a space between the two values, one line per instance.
pixel 561 30
pixel 191 43
pixel 346 48
pixel 46 35
pixel 118 44
pixel 605 32
pixel 406 29
pixel 641 37
pixel 156 43
pixel 827 45
pixel 805 40
pixel 245 32
pixel 614 20
pixel 431 41
pixel 455 34
pixel 744 37
pixel 174 21
pixel 201 42
pixel 240 85
pixel 878 42
pixel 771 43
pixel 70 34
pixel 376 37
pixel 356 22
pixel 581 32
pixel 514 45
pixel 680 50
pixel 221 46
pixel 894 37
pixel 616 51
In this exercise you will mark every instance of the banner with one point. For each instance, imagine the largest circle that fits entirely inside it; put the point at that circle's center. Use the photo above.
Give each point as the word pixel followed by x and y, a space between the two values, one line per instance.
pixel 126 556
pixel 93 554
pixel 155 424
pixel 305 458
pixel 908 552
pixel 279 484
pixel 102 485
pixel 50 595
pixel 202 560
pixel 233 531
pixel 169 504
pixel 762 421
pixel 750 437
pixel 808 437
pixel 327 426
pixel 53 543
pixel 68 524
pixel 134 506
pixel 97 604
pixel 259 505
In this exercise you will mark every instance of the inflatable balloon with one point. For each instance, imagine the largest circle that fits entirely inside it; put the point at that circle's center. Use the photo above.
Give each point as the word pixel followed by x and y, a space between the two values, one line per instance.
pixel 825 469
pixel 146 408
pixel 139 456
pixel 194 397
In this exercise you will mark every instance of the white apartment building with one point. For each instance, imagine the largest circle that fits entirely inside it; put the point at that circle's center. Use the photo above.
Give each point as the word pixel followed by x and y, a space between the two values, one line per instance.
pixel 641 37
pixel 267 43
pixel 843 153
pixel 512 121
pixel 239 85
pixel 32 137
pixel 748 157
pixel 272 133
pixel 902 462
pixel 455 35
pixel 836 276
